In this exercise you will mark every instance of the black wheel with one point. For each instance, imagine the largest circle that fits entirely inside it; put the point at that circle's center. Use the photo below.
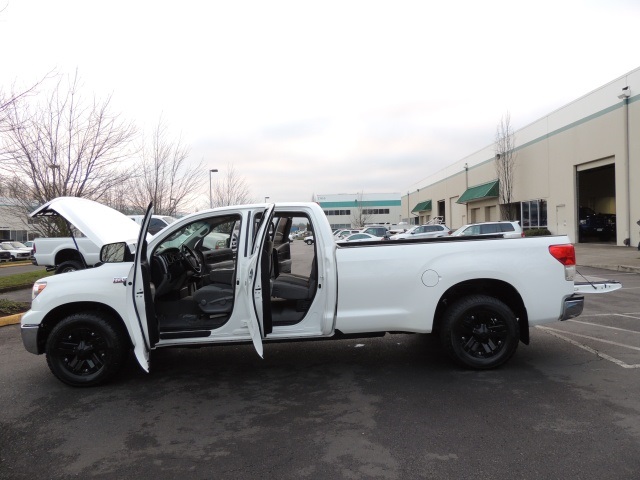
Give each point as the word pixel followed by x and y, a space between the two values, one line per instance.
pixel 86 349
pixel 69 266
pixel 480 332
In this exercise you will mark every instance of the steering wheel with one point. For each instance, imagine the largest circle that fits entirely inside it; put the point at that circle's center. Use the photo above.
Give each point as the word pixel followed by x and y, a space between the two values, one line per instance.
pixel 192 259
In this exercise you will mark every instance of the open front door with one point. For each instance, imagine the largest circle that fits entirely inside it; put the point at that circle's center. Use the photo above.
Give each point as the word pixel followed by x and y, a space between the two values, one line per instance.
pixel 139 298
pixel 257 281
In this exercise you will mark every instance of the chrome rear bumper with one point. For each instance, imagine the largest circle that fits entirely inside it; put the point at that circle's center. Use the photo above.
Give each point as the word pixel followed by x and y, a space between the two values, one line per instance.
pixel 572 307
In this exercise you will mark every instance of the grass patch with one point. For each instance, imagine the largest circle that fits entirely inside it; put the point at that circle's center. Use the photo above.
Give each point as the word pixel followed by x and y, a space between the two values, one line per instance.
pixel 25 279
pixel 9 307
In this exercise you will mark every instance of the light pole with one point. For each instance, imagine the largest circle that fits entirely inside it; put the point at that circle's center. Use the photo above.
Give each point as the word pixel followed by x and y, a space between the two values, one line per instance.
pixel 55 167
pixel 213 170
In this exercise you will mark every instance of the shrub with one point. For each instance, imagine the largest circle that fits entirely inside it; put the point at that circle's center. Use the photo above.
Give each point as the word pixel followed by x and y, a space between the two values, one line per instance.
pixel 536 232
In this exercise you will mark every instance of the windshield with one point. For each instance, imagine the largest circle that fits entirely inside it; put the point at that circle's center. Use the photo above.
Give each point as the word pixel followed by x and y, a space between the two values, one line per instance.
pixel 210 234
pixel 18 245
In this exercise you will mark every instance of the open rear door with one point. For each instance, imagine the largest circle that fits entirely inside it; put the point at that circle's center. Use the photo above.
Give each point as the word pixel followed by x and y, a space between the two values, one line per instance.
pixel 257 282
pixel 139 298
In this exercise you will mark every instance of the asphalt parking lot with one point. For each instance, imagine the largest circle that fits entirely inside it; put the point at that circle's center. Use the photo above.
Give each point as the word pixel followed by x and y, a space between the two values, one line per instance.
pixel 610 325
pixel 566 406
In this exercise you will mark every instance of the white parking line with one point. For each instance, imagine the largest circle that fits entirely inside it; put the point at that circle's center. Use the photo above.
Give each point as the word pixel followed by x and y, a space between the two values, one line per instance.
pixel 604 326
pixel 630 347
pixel 604 356
pixel 629 315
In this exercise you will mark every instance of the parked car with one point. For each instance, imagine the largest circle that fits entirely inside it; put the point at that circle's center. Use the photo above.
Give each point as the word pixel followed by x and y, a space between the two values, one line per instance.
pixel 377 230
pixel 423 231
pixel 360 237
pixel 18 245
pixel 592 224
pixel 309 240
pixel 16 253
pixel 345 232
pixel 158 222
pixel 508 229
pixel 167 291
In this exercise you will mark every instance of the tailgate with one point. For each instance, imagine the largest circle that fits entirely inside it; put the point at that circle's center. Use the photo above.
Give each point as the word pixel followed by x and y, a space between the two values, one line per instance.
pixel 596 287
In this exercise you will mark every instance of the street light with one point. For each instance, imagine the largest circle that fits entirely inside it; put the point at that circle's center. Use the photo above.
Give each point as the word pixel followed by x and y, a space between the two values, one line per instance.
pixel 55 167
pixel 213 170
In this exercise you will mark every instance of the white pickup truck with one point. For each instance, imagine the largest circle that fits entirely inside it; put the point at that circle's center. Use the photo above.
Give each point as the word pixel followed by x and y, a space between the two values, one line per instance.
pixel 65 254
pixel 68 254
pixel 190 286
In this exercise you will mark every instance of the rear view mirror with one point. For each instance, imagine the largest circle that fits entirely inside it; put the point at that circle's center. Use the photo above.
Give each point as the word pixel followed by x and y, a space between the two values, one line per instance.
pixel 113 253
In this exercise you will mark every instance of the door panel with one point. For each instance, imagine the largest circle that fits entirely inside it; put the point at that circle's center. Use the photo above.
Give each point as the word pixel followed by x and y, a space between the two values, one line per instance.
pixel 255 281
pixel 139 298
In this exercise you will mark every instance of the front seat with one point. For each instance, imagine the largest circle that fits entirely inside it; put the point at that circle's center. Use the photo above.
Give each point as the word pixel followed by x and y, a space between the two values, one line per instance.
pixel 214 299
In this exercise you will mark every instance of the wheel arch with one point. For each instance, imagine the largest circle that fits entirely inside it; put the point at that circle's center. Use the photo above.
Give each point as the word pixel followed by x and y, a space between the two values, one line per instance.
pixel 498 289
pixel 68 254
pixel 58 314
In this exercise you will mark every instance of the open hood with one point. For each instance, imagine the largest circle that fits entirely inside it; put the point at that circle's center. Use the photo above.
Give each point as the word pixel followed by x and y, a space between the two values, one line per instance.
pixel 101 224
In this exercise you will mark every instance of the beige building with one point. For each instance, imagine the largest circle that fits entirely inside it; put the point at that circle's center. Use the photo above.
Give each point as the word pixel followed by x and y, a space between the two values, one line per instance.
pixel 577 172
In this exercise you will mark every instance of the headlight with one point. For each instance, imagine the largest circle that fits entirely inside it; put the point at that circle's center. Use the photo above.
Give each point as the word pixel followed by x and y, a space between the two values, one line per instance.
pixel 38 287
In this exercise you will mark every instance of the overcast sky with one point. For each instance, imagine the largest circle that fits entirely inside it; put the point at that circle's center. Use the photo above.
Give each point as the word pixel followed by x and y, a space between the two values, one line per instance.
pixel 325 97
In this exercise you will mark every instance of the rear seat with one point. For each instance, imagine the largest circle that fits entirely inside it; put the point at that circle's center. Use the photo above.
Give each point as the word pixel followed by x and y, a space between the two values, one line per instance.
pixel 296 287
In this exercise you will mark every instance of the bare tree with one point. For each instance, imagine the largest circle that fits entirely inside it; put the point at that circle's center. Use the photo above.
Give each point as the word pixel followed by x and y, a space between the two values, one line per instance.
pixel 9 101
pixel 232 189
pixel 360 215
pixel 165 177
pixel 505 160
pixel 63 146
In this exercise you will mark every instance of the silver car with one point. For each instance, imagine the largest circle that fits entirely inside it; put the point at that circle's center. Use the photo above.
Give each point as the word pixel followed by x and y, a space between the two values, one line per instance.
pixel 423 231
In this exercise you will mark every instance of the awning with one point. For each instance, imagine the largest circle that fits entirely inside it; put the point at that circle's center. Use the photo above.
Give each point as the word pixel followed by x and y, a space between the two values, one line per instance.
pixel 480 192
pixel 422 207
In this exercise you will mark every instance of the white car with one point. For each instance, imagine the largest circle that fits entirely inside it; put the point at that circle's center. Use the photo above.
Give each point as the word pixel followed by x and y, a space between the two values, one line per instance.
pixel 309 240
pixel 507 229
pixel 158 222
pixel 360 237
pixel 423 231
pixel 345 232
pixel 17 253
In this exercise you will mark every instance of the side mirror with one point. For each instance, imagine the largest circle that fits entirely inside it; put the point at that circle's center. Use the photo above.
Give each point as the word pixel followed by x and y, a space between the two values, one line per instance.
pixel 113 253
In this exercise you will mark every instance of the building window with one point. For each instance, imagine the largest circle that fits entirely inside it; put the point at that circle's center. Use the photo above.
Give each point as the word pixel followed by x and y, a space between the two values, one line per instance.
pixel 533 214
pixel 337 212
pixel 375 211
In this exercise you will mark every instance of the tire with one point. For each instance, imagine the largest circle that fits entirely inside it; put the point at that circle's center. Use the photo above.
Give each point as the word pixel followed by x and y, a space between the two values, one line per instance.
pixel 86 349
pixel 308 242
pixel 69 266
pixel 479 332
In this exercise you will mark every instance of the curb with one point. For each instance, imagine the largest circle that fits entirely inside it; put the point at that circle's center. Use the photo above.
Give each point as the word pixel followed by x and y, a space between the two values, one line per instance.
pixel 10 320
pixel 615 268
pixel 15 288
pixel 15 264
